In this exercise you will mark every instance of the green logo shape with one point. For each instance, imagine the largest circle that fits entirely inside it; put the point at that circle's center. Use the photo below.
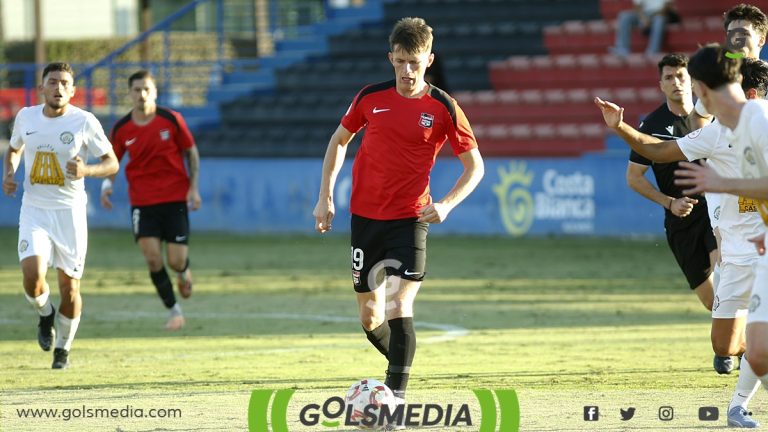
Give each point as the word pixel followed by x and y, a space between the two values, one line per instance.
pixel 734 55
pixel 509 410
pixel 258 409
pixel 259 412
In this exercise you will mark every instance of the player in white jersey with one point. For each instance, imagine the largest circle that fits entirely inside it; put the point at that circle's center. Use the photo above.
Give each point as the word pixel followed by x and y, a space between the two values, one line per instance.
pixel 56 139
pixel 735 217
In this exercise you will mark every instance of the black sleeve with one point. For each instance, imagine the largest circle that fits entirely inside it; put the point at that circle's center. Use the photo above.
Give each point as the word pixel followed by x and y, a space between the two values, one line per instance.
pixel 638 159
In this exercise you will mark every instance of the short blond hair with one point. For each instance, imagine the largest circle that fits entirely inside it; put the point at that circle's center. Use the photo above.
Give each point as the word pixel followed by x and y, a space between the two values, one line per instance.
pixel 412 35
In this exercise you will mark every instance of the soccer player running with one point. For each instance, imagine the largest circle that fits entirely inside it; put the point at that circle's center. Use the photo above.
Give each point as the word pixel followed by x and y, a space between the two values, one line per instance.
pixel 686 223
pixel 407 121
pixel 56 139
pixel 746 27
pixel 738 222
pixel 160 188
pixel 717 85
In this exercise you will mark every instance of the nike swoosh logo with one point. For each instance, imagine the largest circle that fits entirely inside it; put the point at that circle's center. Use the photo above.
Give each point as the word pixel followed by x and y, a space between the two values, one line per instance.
pixel 410 273
pixel 130 141
pixel 31 132
pixel 181 238
pixel 376 110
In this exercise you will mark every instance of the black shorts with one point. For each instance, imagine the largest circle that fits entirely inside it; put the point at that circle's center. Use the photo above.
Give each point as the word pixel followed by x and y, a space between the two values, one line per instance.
pixel 393 247
pixel 168 221
pixel 691 247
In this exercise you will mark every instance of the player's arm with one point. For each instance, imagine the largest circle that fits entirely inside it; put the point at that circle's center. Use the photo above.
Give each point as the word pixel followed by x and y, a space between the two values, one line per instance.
pixel 702 178
pixel 332 163
pixel 648 146
pixel 639 183
pixel 107 165
pixel 699 118
pixel 10 165
pixel 474 169
pixel 193 165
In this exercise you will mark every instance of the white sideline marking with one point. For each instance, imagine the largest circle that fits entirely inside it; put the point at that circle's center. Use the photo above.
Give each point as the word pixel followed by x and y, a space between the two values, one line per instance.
pixel 450 332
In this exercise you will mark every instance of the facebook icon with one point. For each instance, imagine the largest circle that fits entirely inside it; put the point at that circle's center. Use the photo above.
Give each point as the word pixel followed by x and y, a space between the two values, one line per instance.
pixel 591 413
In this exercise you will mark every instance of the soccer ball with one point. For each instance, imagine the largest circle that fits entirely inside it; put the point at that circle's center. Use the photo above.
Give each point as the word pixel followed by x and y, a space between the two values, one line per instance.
pixel 370 394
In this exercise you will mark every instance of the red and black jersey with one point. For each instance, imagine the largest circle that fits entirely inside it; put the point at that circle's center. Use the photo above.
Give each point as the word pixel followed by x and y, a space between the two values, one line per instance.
pixel 390 176
pixel 155 172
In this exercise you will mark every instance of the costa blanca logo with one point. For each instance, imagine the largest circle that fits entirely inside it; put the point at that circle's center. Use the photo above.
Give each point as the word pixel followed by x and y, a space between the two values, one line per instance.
pixel 426 120
pixel 334 412
pixel 66 137
pixel 515 200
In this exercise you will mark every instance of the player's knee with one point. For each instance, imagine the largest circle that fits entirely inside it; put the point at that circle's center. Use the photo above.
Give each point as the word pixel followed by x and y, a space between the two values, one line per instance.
pixel 70 291
pixel 758 359
pixel 154 262
pixel 33 282
pixel 371 320
pixel 178 265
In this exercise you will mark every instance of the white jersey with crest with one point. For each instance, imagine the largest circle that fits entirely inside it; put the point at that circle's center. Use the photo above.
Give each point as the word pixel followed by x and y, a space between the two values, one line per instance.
pixel 49 142
pixel 736 217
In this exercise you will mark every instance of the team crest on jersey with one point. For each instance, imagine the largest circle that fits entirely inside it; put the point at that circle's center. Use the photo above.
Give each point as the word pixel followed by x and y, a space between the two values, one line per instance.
pixel 749 156
pixel 66 138
pixel 716 213
pixel 23 245
pixel 165 134
pixel 426 120
pixel 356 277
pixel 754 303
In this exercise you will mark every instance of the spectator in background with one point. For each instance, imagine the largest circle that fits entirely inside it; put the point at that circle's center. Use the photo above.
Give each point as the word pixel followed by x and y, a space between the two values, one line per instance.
pixel 649 15
pixel 161 189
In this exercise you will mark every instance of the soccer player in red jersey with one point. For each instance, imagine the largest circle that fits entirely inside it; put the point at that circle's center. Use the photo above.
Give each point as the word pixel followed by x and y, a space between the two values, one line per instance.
pixel 160 187
pixel 407 122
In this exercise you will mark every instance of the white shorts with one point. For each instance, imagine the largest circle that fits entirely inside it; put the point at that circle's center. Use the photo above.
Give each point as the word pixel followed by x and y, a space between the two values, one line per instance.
pixel 57 236
pixel 758 309
pixel 733 291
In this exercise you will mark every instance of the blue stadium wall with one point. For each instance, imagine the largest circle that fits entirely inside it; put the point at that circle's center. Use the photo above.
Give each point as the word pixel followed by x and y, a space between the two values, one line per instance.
pixel 575 196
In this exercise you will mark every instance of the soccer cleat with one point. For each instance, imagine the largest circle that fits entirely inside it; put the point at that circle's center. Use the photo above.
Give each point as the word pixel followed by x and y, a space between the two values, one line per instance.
pixel 184 283
pixel 60 358
pixel 723 365
pixel 175 322
pixel 45 331
pixel 395 426
pixel 740 418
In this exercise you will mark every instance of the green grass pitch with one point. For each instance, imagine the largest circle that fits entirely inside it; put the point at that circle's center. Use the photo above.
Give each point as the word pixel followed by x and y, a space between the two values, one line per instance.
pixel 565 322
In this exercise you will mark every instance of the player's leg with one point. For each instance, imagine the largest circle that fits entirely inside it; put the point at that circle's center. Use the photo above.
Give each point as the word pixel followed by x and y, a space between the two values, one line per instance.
pixel 69 235
pixel 407 248
pixel 147 231
pixel 729 311
pixel 176 236
pixel 35 249
pixel 656 36
pixel 366 252
pixel 694 249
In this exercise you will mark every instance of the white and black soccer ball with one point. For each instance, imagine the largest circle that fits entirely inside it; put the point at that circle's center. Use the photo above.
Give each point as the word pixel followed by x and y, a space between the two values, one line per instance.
pixel 365 399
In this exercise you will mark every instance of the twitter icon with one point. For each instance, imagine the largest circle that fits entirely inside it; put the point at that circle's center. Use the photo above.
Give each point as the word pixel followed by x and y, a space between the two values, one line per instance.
pixel 627 414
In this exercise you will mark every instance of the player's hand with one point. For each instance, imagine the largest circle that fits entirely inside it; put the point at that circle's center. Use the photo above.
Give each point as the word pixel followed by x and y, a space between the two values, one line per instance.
pixel 76 168
pixel 759 243
pixel 682 207
pixel 434 213
pixel 613 114
pixel 193 199
pixel 700 178
pixel 10 186
pixel 323 213
pixel 105 202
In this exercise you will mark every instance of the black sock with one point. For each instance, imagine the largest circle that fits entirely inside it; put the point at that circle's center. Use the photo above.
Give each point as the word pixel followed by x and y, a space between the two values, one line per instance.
pixel 379 337
pixel 164 287
pixel 402 347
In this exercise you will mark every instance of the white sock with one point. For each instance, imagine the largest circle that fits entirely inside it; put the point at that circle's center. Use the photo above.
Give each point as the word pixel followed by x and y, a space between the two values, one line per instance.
pixel 175 310
pixel 41 303
pixel 746 386
pixel 65 331
pixel 716 276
